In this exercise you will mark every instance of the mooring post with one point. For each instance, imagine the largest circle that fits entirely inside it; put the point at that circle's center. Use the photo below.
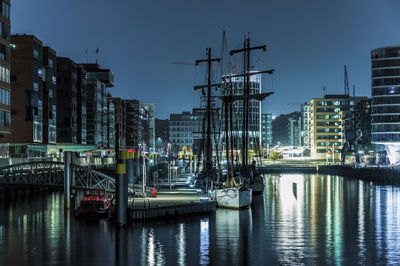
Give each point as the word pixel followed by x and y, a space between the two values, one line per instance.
pixel 136 167
pixel 67 179
pixel 123 155
pixel 120 185
pixel 129 168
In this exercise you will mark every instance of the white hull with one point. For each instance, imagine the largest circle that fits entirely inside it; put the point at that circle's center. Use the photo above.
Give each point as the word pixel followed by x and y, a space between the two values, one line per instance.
pixel 233 198
pixel 258 184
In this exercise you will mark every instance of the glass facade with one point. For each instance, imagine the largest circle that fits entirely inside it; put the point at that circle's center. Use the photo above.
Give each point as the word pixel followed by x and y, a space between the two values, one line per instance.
pixel 385 93
pixel 235 87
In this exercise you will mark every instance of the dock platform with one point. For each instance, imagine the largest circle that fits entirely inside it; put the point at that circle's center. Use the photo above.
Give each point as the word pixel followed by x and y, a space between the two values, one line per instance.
pixel 170 204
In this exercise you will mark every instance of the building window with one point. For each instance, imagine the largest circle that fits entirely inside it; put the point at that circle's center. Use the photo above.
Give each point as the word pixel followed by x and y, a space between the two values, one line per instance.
pixel 4 75
pixel 5 9
pixel 4 97
pixel 5 30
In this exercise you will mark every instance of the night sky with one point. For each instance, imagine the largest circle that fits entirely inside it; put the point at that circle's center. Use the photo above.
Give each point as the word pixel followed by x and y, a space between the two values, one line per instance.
pixel 308 42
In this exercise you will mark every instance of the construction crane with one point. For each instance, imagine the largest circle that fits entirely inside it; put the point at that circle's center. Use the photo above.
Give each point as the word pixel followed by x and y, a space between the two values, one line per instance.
pixel 349 129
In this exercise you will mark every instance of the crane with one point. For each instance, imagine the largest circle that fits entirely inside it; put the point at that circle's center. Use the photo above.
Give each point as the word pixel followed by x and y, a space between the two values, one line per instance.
pixel 349 130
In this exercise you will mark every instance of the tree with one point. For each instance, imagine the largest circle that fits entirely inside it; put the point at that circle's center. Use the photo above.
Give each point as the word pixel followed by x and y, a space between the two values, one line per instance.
pixel 274 155
pixel 307 153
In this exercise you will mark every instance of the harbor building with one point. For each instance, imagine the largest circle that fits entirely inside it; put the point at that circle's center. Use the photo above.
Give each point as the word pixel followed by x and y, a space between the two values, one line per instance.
pixel 132 120
pixel 294 130
pixel 305 125
pixel 328 124
pixel 5 87
pixel 33 97
pixel 67 94
pixel 266 130
pixel 49 96
pixel 235 87
pixel 161 134
pixel 99 81
pixel 180 131
pixel 385 93
pixel 150 110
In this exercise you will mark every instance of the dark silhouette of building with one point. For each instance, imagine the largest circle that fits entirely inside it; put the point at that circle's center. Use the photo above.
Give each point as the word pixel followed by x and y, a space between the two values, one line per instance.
pixel 100 130
pixel 362 118
pixel 67 101
pixel 5 64
pixel 280 129
pixel 161 133
pixel 81 101
pixel 49 96
pixel 133 124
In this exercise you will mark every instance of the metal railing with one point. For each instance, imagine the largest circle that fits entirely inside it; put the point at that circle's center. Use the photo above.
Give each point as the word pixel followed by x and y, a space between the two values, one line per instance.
pixel 48 173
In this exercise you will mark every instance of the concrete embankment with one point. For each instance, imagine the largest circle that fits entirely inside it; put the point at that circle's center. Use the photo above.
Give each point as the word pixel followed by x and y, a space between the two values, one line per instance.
pixel 288 169
pixel 377 175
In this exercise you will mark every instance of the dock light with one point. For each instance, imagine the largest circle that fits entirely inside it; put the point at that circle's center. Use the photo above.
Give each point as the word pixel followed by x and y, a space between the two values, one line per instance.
pixel 203 199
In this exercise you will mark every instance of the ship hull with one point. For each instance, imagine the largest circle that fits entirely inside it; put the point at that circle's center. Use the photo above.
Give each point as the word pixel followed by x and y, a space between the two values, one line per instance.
pixel 233 198
pixel 258 184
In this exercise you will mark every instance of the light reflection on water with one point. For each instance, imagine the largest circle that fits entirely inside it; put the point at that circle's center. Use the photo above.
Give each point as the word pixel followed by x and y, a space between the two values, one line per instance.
pixel 204 242
pixel 300 219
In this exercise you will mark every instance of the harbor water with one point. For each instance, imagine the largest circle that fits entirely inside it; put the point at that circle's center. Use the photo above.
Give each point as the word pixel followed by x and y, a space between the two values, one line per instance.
pixel 300 219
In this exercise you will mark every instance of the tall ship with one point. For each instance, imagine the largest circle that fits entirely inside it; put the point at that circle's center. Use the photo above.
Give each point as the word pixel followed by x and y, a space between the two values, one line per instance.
pixel 233 183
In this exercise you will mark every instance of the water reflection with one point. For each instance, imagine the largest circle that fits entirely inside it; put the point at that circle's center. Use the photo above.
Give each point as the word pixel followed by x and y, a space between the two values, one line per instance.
pixel 155 250
pixel 181 244
pixel 300 219
pixel 204 242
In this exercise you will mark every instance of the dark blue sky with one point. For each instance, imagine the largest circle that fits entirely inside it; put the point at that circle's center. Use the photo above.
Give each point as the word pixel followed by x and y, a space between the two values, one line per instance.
pixel 308 42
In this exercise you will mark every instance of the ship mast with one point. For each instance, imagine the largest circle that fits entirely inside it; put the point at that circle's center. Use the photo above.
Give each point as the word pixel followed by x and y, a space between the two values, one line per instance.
pixel 208 144
pixel 246 96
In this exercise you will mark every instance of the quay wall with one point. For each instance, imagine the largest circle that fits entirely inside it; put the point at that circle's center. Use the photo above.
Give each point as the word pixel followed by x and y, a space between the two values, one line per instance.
pixel 378 175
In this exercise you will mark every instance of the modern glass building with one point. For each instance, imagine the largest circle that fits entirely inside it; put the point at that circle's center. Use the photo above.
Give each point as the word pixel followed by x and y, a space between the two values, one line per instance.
pixel 235 87
pixel 266 130
pixel 385 92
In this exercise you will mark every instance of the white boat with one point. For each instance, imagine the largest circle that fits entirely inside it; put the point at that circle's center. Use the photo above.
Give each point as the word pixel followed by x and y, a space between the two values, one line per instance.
pixel 233 198
pixel 257 184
